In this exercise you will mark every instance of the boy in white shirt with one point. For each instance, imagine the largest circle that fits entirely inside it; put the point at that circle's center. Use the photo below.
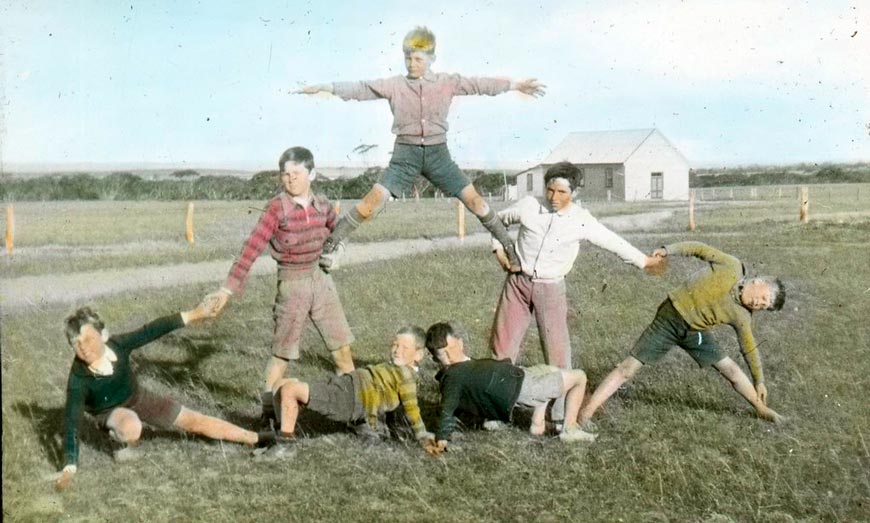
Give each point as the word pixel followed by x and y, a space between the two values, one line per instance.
pixel 547 246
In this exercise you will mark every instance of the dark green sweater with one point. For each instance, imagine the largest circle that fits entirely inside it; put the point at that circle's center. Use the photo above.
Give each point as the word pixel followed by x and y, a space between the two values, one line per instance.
pixel 86 392
pixel 486 388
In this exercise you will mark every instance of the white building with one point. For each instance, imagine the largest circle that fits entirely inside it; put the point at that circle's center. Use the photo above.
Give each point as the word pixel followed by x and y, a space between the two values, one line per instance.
pixel 631 165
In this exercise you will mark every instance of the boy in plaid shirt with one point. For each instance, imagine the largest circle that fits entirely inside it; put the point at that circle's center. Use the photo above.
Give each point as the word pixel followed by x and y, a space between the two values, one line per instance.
pixel 294 225
pixel 419 103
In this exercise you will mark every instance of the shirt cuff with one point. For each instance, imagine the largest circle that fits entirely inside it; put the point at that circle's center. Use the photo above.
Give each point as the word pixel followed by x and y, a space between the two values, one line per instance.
pixel 72 469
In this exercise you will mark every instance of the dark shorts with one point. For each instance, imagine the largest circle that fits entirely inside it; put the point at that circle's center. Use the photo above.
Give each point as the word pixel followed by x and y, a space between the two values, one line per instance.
pixel 153 409
pixel 336 399
pixel 667 329
pixel 302 296
pixel 432 161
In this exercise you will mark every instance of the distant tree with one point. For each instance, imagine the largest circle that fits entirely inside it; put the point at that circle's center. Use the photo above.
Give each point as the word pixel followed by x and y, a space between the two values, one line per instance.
pixel 184 173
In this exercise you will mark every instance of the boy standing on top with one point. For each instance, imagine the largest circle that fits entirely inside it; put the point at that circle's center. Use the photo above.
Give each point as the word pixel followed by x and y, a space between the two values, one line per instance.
pixel 720 294
pixel 419 102
pixel 294 225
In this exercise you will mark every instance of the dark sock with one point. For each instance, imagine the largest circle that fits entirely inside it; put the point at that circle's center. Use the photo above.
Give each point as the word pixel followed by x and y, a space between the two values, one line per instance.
pixel 345 226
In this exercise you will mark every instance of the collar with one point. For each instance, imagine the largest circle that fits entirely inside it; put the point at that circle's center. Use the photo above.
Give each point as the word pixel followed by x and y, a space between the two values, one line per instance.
pixel 429 77
pixel 546 209
pixel 737 291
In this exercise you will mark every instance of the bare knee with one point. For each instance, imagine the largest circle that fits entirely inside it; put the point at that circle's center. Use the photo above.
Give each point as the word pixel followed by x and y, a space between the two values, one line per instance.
pixel 124 426
pixel 574 378
pixel 628 367
pixel 373 202
pixel 474 201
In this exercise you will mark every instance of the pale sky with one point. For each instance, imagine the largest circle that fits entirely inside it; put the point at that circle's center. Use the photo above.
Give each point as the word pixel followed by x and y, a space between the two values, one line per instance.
pixel 205 83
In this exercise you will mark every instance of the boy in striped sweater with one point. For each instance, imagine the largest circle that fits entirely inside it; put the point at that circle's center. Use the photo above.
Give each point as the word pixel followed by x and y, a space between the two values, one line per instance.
pixel 295 225
pixel 363 394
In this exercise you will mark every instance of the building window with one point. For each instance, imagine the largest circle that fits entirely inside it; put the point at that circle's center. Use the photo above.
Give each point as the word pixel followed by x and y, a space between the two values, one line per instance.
pixel 608 177
pixel 530 182
pixel 581 178
pixel 657 185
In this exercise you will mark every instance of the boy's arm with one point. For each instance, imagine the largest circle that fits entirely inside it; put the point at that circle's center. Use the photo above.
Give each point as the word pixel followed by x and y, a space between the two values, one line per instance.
pixel 75 399
pixel 366 89
pixel 751 356
pixel 704 252
pixel 599 235
pixel 408 396
pixel 253 247
pixel 471 85
pixel 147 333
pixel 510 216
pixel 451 394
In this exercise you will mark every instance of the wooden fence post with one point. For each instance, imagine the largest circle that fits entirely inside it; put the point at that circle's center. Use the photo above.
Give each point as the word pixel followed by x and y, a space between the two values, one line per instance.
pixel 188 222
pixel 692 210
pixel 10 229
pixel 608 195
pixel 805 204
pixel 460 208
pixel 337 207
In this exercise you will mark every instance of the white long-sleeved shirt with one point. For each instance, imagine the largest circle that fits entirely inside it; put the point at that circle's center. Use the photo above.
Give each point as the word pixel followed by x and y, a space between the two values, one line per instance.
pixel 548 241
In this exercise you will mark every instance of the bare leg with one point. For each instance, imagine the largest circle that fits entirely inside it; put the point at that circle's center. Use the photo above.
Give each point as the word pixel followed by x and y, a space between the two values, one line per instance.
pixel 622 373
pixel 732 372
pixel 573 389
pixel 214 428
pixel 343 360
pixel 539 424
pixel 124 426
pixel 290 394
pixel 274 372
pixel 364 211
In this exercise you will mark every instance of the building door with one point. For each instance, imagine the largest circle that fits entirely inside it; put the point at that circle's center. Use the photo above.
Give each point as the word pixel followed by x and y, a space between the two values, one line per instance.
pixel 657 186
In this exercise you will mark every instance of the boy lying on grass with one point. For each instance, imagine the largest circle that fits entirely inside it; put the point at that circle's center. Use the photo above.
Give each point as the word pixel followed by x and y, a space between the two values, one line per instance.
pixel 490 388
pixel 103 384
pixel 720 294
pixel 362 394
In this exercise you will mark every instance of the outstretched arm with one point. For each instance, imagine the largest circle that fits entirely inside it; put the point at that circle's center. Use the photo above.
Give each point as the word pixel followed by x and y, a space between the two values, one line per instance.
pixel 313 89
pixel 529 86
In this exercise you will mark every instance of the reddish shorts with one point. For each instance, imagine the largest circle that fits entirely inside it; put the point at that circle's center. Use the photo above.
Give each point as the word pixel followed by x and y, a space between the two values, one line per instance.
pixel 302 295
pixel 153 409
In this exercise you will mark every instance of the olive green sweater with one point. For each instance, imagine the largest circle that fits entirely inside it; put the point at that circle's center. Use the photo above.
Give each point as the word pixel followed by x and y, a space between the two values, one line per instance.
pixel 711 297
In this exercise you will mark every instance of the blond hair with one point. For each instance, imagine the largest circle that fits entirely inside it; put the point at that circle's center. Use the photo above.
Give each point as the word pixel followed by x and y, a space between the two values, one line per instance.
pixel 419 39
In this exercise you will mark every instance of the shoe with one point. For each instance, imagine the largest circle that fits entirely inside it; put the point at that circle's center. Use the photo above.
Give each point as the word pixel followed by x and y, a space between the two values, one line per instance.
pixel 494 425
pixel 576 434
pixel 281 450
pixel 127 454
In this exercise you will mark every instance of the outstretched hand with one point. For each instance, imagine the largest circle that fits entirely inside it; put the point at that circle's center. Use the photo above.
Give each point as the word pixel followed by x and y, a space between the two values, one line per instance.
pixel 313 89
pixel 210 306
pixel 530 86
pixel 657 264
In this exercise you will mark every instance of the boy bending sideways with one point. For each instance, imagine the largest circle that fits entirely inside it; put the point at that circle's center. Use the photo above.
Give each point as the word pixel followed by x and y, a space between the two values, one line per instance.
pixel 363 394
pixel 103 384
pixel 491 388
pixel 420 102
pixel 720 294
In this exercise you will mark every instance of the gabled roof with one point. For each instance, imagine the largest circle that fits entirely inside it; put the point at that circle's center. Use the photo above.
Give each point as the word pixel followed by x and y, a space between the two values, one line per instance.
pixel 598 146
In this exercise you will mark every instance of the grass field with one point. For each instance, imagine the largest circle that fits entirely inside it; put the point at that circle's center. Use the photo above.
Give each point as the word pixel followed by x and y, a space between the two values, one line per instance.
pixel 676 444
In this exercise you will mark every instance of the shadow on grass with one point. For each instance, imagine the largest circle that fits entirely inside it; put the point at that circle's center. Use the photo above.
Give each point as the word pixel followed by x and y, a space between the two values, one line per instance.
pixel 48 425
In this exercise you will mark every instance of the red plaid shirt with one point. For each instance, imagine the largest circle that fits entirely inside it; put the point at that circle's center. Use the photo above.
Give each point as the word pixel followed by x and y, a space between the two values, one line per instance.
pixel 295 240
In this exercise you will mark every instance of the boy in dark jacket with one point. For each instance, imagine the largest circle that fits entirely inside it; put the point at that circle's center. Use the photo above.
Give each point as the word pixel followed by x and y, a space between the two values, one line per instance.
pixel 491 388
